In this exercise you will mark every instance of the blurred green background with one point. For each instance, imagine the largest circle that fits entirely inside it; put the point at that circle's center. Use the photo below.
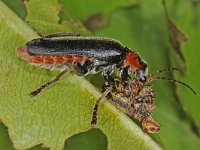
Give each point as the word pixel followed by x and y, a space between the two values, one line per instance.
pixel 165 36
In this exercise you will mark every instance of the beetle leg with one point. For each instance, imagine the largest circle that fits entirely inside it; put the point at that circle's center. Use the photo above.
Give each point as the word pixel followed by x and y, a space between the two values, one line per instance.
pixel 62 34
pixel 96 106
pixel 109 79
pixel 111 83
pixel 49 83
pixel 83 69
pixel 107 75
pixel 124 74
pixel 80 70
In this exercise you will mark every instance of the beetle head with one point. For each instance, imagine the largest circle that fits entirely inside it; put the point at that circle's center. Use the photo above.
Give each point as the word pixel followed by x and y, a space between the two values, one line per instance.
pixel 141 74
pixel 137 65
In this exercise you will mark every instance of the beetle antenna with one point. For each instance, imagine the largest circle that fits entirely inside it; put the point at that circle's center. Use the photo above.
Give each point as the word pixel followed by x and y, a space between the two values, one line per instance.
pixel 166 70
pixel 173 80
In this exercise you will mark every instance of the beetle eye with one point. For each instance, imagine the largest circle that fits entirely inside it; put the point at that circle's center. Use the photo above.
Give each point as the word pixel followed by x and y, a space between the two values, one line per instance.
pixel 143 79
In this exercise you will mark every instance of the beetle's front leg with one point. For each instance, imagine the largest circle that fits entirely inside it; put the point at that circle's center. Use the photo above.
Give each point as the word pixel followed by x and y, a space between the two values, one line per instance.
pixel 124 74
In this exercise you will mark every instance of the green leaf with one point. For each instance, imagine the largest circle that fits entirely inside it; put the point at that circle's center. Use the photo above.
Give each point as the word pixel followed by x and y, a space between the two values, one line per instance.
pixel 17 6
pixel 85 8
pixel 4 138
pixel 92 139
pixel 60 111
pixel 188 21
pixel 46 19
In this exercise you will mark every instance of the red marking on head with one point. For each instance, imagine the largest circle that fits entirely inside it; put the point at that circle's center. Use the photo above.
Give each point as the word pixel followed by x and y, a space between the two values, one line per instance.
pixel 23 54
pixel 133 60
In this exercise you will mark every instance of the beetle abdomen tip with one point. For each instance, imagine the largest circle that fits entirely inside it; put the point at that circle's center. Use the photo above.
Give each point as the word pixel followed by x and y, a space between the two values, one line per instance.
pixel 23 54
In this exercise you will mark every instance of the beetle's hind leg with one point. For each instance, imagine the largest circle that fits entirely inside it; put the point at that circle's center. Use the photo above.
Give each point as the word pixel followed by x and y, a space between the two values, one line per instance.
pixel 46 85
pixel 61 34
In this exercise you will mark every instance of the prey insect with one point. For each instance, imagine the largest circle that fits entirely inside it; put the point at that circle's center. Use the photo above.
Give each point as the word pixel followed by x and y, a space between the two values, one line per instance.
pixel 71 51
pixel 135 98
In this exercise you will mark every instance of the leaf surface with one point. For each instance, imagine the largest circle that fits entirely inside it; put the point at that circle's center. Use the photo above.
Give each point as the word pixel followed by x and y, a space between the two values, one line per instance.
pixel 83 9
pixel 188 20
